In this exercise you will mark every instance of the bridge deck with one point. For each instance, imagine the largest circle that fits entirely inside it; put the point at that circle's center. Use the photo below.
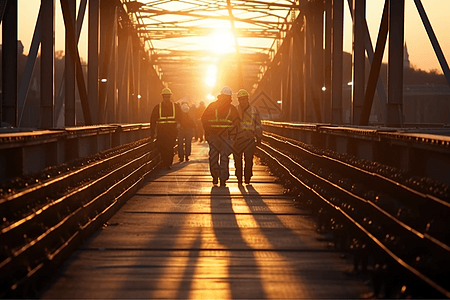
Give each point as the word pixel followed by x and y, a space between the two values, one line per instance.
pixel 182 237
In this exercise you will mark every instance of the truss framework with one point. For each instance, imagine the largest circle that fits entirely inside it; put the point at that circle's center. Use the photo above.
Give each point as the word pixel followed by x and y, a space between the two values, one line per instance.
pixel 178 34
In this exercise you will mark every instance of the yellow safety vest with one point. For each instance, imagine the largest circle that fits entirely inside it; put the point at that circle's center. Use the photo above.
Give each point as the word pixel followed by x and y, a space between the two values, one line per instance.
pixel 221 122
pixel 247 122
pixel 169 119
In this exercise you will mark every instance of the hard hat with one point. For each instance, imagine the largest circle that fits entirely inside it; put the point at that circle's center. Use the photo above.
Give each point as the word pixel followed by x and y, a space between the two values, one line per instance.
pixel 185 107
pixel 166 91
pixel 242 93
pixel 226 91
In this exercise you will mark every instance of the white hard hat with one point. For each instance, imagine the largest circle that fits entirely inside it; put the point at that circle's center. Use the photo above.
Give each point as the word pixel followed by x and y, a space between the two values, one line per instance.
pixel 226 91
pixel 185 107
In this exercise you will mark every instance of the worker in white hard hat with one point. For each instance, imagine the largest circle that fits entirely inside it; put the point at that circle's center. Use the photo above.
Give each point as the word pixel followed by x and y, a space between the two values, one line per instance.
pixel 185 132
pixel 248 137
pixel 220 122
pixel 163 126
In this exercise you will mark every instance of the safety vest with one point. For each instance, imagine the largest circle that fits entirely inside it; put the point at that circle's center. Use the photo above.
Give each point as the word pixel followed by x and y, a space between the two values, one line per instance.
pixel 168 119
pixel 221 122
pixel 248 120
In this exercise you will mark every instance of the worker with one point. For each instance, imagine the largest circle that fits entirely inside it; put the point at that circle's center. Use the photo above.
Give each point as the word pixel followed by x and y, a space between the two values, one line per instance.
pixel 163 122
pixel 220 122
pixel 248 137
pixel 200 132
pixel 185 132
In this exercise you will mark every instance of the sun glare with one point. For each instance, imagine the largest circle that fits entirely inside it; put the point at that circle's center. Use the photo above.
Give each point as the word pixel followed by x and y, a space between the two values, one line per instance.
pixel 211 74
pixel 221 41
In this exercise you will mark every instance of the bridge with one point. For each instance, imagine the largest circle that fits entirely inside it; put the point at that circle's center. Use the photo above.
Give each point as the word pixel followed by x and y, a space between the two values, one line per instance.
pixel 350 196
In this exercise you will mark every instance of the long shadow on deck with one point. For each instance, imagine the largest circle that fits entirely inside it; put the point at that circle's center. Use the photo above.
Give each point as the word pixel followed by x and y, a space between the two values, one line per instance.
pixel 243 274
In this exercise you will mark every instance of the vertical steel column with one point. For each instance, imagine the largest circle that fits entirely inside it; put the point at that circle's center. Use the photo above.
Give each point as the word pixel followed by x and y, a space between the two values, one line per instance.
pixel 142 88
pixel 299 48
pixel 69 113
pixel 394 107
pixel 114 108
pixel 122 112
pixel 359 57
pixel 336 68
pixel 108 71
pixel 297 70
pixel 47 63
pixel 327 62
pixel 317 70
pixel 93 65
pixel 309 106
pixel 8 107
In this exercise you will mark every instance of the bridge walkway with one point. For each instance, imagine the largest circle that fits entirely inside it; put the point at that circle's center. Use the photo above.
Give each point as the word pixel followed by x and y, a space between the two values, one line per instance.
pixel 181 237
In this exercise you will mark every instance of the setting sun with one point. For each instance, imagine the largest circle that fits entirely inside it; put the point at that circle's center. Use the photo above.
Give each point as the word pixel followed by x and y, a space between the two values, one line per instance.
pixel 211 74
pixel 222 41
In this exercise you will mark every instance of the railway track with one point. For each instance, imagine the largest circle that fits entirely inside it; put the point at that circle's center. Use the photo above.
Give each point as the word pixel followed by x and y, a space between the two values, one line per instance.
pixel 47 215
pixel 395 226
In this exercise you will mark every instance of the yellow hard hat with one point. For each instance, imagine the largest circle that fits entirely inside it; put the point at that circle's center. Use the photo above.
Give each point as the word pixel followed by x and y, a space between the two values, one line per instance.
pixel 242 93
pixel 166 91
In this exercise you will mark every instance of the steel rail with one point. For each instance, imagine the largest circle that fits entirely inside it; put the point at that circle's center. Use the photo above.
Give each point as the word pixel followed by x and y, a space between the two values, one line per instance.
pixel 373 174
pixel 278 156
pixel 34 245
pixel 410 192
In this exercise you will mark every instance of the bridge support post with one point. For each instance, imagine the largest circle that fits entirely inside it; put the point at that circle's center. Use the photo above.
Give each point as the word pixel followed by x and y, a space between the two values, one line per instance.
pixel 327 62
pixel 394 114
pixel 336 67
pixel 358 59
pixel 8 107
pixel 69 84
pixel 93 65
pixel 47 63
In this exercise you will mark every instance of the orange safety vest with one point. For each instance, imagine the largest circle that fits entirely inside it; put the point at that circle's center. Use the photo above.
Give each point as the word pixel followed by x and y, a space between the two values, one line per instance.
pixel 168 119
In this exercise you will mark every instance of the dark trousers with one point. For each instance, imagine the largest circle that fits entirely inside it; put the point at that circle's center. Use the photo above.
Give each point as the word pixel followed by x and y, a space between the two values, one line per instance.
pixel 165 141
pixel 247 153
pixel 184 142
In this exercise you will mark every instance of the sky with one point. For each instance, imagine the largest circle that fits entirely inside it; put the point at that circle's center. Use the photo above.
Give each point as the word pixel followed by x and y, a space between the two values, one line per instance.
pixel 419 47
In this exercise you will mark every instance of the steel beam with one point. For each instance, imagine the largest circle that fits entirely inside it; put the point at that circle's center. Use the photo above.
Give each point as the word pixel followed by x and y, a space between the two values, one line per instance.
pixel 375 67
pixel 433 39
pixel 8 106
pixel 123 83
pixel 69 74
pixel 29 67
pixel 327 62
pixel 336 68
pixel 93 65
pixel 394 113
pixel 72 42
pixel 2 9
pixel 358 59
pixel 47 63
pixel 381 92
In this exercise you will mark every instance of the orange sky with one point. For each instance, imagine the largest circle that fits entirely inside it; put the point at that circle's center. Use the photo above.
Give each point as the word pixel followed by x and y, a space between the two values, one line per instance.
pixel 420 50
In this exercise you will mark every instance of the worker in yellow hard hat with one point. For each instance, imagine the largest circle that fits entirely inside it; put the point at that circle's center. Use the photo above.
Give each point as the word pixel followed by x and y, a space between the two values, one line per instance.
pixel 248 137
pixel 220 122
pixel 163 125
